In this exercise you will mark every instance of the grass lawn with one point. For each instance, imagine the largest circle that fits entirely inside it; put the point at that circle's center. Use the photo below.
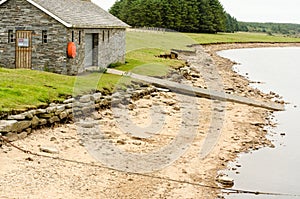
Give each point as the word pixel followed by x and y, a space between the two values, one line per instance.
pixel 165 41
pixel 22 89
pixel 145 62
pixel 238 37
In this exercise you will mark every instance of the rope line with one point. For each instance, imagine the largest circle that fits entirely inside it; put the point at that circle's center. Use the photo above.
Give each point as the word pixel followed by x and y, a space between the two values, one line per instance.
pixel 231 190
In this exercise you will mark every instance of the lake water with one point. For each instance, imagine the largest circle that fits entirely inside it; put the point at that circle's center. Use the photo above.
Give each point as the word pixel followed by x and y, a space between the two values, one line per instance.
pixel 272 169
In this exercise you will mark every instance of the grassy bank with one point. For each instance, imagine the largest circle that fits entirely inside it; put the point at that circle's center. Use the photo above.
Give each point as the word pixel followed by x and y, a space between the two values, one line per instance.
pixel 145 61
pixel 240 37
pixel 22 89
pixel 136 39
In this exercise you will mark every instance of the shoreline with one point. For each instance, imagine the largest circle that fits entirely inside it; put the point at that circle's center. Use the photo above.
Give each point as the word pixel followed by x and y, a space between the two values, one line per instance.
pixel 242 131
pixel 213 49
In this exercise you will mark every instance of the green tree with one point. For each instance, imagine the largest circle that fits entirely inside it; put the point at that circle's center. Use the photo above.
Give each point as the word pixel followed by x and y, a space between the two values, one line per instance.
pixel 181 15
pixel 231 23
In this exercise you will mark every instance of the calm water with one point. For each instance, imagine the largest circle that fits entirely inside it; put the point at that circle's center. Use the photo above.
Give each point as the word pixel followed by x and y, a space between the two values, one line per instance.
pixel 278 169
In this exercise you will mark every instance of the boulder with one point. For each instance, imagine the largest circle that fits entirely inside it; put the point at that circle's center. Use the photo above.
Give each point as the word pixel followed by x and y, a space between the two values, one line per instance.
pixel 28 114
pixel 63 115
pixel 87 124
pixel 60 108
pixel 49 149
pixel 54 119
pixel 35 122
pixel 14 125
pixel 22 135
pixel 85 98
pixel 68 101
pixel 42 122
pixel 16 117
pixel 39 111
pixel 20 126
pixel 6 125
pixel 226 181
pixel 12 137
pixel 51 109
pixel 97 97
pixel 46 115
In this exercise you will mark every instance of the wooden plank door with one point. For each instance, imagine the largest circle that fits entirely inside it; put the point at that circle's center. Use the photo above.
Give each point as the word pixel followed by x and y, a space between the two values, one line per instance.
pixel 23 49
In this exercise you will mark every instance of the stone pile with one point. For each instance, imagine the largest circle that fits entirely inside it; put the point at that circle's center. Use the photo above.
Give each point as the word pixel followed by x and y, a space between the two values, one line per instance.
pixel 71 110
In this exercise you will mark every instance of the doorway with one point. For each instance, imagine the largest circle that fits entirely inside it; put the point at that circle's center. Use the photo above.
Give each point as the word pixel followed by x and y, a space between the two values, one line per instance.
pixel 91 49
pixel 23 49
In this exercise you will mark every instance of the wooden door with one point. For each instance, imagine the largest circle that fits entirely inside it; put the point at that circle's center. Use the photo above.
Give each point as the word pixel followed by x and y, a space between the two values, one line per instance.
pixel 23 49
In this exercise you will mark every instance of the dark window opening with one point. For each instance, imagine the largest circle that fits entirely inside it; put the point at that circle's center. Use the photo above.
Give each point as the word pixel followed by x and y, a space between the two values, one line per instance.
pixel 11 38
pixel 108 36
pixel 103 35
pixel 72 36
pixel 44 36
pixel 79 37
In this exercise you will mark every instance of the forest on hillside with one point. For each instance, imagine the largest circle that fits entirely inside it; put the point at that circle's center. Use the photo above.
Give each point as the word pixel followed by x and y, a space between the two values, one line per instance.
pixel 271 28
pixel 206 16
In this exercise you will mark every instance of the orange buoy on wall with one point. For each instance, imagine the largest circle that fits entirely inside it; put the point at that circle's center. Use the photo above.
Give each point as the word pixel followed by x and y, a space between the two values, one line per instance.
pixel 71 50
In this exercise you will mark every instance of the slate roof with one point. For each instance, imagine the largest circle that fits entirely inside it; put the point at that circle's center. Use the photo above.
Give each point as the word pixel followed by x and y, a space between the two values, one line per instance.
pixel 78 13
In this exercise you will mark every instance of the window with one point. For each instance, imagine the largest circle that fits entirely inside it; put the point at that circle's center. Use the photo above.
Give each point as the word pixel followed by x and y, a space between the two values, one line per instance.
pixel 11 38
pixel 72 36
pixel 108 36
pixel 44 36
pixel 103 35
pixel 79 37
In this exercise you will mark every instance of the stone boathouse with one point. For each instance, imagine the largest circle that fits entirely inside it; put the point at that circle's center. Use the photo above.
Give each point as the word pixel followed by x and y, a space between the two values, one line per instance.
pixel 61 36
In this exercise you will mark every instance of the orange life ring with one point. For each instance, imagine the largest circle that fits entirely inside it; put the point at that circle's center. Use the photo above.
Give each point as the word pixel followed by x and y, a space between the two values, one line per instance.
pixel 71 50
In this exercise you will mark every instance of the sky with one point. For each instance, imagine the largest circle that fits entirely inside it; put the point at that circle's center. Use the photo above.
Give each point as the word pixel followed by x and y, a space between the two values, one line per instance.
pixel 281 11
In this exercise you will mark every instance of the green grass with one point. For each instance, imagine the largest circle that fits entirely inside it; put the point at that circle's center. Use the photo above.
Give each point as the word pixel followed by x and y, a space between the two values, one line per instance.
pixel 240 37
pixel 23 89
pixel 136 40
pixel 146 62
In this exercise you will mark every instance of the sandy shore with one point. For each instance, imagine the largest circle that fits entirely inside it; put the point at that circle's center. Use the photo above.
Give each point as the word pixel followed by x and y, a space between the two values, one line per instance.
pixel 240 129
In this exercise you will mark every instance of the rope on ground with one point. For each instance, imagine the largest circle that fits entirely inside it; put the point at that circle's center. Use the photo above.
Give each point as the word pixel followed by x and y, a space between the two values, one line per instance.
pixel 239 191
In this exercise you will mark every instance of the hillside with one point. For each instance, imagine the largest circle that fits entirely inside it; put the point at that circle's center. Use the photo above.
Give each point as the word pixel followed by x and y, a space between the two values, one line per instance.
pixel 271 28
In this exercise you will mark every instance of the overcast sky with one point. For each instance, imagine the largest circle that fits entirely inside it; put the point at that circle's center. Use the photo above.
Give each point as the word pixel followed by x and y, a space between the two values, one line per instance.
pixel 286 11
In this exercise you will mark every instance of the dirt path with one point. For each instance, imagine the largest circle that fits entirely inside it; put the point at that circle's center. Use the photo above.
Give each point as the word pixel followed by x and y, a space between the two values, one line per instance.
pixel 27 176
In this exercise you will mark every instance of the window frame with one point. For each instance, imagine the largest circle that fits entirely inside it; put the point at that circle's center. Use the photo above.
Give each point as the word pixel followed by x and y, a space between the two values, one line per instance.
pixel 79 37
pixel 10 37
pixel 44 36
pixel 73 36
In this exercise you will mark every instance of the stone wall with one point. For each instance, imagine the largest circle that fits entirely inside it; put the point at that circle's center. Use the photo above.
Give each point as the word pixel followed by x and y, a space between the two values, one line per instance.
pixel 111 45
pixel 112 48
pixel 76 65
pixel 71 110
pixel 21 15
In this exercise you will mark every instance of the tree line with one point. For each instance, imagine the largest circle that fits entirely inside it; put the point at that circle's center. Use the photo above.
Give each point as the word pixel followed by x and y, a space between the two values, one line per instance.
pixel 270 28
pixel 205 16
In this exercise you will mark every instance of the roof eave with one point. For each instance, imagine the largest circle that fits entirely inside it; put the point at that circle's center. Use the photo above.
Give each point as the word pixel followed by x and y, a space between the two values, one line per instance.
pixel 3 1
pixel 68 25
pixel 101 26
